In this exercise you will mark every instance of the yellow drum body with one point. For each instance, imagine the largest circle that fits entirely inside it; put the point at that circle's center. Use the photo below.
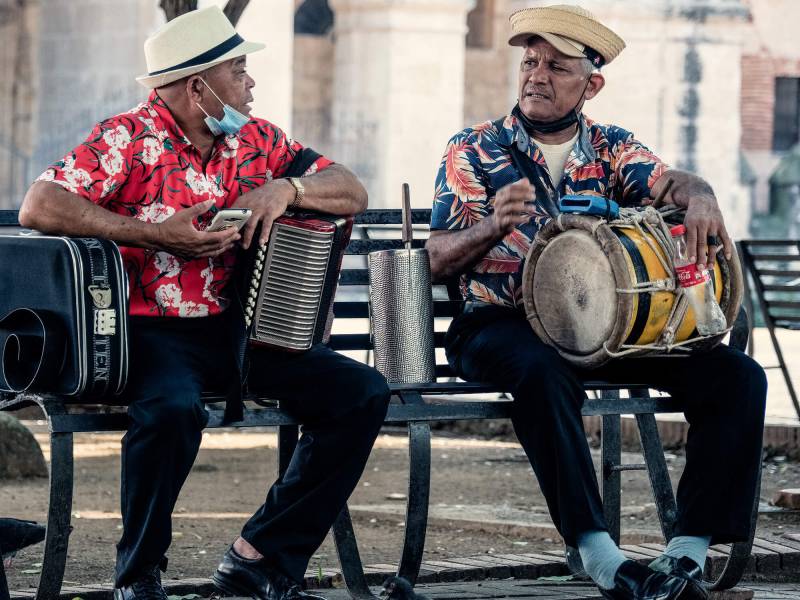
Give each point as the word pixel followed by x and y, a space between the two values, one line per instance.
pixel 576 286
pixel 653 309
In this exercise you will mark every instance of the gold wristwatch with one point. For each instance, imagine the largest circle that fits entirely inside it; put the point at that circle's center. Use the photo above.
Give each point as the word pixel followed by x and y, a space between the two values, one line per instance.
pixel 299 193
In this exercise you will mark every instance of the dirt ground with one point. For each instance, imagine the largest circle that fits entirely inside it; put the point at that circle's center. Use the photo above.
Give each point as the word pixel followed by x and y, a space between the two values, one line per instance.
pixel 484 500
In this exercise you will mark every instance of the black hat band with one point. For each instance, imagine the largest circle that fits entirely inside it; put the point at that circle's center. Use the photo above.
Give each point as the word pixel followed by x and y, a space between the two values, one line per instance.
pixel 205 57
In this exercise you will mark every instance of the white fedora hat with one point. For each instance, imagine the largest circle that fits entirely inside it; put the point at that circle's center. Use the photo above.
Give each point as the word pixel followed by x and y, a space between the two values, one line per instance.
pixel 191 43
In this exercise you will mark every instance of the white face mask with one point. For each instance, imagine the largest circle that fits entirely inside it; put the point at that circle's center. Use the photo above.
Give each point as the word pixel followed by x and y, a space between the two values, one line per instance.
pixel 230 124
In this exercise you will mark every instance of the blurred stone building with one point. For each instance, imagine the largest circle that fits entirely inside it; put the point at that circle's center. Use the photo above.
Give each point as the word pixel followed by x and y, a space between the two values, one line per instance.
pixel 380 85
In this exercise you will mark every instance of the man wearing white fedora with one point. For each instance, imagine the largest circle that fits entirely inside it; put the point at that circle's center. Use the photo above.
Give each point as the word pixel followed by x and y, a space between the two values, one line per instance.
pixel 497 185
pixel 152 179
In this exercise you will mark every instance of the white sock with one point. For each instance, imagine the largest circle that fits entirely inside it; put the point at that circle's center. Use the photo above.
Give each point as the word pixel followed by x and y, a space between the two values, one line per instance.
pixel 691 546
pixel 601 557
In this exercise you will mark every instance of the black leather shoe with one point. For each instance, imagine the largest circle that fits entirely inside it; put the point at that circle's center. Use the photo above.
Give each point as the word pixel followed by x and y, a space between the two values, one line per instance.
pixel 147 587
pixel 252 578
pixel 638 582
pixel 16 535
pixel 687 569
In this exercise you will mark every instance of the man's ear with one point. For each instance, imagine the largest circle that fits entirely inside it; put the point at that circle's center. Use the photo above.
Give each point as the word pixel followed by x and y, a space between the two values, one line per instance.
pixel 195 88
pixel 596 83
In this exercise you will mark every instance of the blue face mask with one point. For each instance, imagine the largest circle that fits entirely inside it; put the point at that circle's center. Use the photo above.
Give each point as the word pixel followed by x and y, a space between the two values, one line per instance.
pixel 230 124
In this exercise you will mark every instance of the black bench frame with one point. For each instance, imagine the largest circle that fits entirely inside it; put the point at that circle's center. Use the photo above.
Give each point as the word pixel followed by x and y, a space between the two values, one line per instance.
pixel 412 405
pixel 774 266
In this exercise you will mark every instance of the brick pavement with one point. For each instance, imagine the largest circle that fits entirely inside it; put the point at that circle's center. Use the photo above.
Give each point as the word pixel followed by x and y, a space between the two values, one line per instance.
pixel 480 590
pixel 774 565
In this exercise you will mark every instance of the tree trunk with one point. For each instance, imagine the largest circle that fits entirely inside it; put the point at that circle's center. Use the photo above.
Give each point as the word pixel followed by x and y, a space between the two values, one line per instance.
pixel 20 454
pixel 234 10
pixel 174 8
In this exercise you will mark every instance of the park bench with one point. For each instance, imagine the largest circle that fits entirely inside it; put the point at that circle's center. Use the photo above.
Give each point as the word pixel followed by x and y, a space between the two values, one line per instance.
pixel 774 266
pixel 413 405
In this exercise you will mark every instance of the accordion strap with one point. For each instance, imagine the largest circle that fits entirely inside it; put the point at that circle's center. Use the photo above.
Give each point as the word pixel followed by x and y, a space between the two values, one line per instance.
pixel 32 350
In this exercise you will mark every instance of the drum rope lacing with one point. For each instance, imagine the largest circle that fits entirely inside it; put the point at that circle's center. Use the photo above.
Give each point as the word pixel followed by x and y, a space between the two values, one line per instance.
pixel 652 220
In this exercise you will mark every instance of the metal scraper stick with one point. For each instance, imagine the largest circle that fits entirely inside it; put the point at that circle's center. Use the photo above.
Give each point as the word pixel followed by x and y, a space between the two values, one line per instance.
pixel 408 232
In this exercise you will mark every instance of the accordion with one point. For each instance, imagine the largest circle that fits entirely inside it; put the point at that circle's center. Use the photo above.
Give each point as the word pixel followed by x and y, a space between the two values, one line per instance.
pixel 288 299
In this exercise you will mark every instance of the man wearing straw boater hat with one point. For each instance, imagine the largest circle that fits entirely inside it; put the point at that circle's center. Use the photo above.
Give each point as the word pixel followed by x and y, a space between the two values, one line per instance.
pixel 152 179
pixel 498 183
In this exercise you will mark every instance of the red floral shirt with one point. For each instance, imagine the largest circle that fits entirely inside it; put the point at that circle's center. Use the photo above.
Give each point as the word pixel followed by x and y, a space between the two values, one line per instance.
pixel 140 164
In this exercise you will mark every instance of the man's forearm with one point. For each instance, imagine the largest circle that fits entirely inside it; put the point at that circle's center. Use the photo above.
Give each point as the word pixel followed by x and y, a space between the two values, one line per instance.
pixel 455 252
pixel 685 187
pixel 49 208
pixel 334 190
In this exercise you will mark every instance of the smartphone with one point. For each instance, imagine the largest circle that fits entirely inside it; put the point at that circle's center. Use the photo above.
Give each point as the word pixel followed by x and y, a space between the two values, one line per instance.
pixel 230 217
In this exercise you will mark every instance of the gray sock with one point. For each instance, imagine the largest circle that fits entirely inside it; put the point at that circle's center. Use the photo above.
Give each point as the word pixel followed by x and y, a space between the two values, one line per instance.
pixel 691 546
pixel 601 557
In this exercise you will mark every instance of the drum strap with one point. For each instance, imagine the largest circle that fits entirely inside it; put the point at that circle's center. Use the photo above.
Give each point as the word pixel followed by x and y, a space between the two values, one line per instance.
pixel 528 168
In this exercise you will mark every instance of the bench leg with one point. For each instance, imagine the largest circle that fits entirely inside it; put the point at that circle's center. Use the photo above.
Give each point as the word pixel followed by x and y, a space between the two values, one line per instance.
pixel 740 552
pixel 3 583
pixel 659 474
pixel 349 558
pixel 612 479
pixel 419 454
pixel 58 517
pixel 419 487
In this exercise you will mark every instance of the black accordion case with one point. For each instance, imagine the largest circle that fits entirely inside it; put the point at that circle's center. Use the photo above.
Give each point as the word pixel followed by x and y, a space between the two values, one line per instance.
pixel 63 317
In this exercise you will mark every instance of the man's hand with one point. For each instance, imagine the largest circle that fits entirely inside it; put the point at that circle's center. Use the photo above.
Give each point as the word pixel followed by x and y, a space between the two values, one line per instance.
pixel 267 202
pixel 178 235
pixel 703 217
pixel 510 208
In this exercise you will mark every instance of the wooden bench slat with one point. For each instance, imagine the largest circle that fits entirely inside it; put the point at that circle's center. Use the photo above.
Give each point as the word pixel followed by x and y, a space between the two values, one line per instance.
pixel 363 341
pixel 354 277
pixel 9 218
pixel 787 318
pixel 776 257
pixel 360 310
pixel 756 243
pixel 439 410
pixel 351 341
pixel 782 304
pixel 361 247
pixel 419 216
pixel 778 272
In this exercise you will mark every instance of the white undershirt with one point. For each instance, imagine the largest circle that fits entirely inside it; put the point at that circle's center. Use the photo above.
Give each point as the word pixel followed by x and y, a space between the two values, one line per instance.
pixel 555 156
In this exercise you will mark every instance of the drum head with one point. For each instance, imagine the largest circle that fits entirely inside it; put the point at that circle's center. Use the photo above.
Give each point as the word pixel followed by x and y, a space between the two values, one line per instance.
pixel 574 283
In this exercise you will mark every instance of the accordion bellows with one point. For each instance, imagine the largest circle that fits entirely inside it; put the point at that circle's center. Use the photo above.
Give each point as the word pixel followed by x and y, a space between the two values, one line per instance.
pixel 294 276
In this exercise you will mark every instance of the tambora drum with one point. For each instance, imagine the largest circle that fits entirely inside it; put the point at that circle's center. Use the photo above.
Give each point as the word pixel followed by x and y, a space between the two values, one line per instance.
pixel 596 290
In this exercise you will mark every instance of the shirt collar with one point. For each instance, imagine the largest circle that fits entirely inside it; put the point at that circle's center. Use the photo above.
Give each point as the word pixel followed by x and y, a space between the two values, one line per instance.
pixel 512 132
pixel 159 110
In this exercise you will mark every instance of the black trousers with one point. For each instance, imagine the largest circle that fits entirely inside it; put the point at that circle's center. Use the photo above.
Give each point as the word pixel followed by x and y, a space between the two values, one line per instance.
pixel 724 392
pixel 341 404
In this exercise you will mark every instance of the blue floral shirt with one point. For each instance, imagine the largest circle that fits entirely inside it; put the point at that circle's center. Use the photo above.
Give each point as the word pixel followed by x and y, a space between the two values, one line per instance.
pixel 605 160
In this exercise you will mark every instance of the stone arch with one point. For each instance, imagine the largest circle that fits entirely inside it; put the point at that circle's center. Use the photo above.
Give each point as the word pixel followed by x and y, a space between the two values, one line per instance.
pixel 313 17
pixel 480 25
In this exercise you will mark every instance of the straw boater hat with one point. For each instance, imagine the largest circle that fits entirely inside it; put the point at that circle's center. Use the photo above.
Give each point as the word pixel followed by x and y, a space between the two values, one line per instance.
pixel 190 43
pixel 571 29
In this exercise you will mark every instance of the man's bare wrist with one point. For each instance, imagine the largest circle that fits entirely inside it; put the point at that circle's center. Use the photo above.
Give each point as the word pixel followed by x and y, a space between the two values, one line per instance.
pixel 288 193
pixel 156 236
